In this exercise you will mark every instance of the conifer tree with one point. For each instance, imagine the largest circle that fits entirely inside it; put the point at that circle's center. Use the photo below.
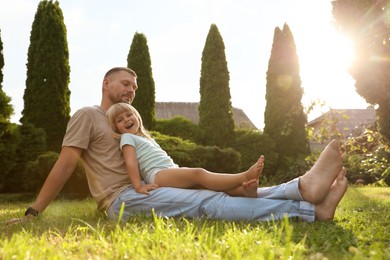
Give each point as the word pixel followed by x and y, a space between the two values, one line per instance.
pixel 46 97
pixel 7 129
pixel 284 118
pixel 139 60
pixel 6 109
pixel 215 108
pixel 366 22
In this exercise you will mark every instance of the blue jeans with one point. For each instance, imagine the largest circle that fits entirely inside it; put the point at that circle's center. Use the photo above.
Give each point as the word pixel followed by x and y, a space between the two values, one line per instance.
pixel 272 203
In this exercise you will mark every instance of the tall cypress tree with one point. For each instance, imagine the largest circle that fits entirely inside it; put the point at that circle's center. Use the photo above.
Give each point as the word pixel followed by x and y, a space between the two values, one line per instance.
pixel 46 97
pixel 6 109
pixel 7 129
pixel 284 118
pixel 215 108
pixel 139 60
pixel 366 22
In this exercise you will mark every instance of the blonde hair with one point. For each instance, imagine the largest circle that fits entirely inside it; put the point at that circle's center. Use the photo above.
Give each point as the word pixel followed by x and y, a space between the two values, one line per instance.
pixel 119 108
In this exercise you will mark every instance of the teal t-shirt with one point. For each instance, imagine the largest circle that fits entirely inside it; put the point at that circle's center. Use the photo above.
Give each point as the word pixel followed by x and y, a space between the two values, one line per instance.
pixel 149 154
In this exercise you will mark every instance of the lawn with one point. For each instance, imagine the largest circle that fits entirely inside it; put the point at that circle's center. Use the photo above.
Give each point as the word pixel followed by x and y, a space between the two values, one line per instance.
pixel 76 230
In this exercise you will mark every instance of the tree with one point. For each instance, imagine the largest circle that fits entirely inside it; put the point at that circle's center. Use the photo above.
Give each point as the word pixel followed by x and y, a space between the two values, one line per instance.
pixel 31 142
pixel 46 97
pixel 7 129
pixel 367 23
pixel 284 117
pixel 139 60
pixel 215 108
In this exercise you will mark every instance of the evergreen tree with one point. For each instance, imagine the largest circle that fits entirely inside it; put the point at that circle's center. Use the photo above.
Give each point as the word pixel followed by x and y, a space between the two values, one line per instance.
pixel 139 60
pixel 215 108
pixel 31 142
pixel 284 118
pixel 46 97
pixel 367 23
pixel 7 129
pixel 6 109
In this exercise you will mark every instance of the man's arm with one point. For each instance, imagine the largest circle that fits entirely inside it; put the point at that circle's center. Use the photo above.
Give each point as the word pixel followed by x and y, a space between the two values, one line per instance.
pixel 57 177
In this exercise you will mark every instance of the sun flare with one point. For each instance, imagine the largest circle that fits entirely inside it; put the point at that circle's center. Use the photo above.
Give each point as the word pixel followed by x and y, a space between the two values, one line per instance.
pixel 324 63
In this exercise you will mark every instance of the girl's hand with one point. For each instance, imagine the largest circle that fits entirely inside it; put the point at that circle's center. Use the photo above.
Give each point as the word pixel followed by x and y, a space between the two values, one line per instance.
pixel 144 189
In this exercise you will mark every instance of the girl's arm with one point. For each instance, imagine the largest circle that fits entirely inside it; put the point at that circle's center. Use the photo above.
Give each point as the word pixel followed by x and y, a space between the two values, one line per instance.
pixel 131 162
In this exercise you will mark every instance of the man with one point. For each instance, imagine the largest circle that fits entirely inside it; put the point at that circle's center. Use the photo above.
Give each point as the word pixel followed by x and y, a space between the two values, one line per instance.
pixel 314 195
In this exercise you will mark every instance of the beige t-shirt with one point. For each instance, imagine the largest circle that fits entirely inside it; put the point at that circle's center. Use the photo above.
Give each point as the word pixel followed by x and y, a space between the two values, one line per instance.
pixel 102 159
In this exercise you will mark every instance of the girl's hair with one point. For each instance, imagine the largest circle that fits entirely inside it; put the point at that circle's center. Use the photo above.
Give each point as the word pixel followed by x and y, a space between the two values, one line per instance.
pixel 119 108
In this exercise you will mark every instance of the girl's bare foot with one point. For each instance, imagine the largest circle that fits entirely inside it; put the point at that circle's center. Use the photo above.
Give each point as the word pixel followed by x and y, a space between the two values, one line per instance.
pixel 315 184
pixel 247 189
pixel 254 172
pixel 326 209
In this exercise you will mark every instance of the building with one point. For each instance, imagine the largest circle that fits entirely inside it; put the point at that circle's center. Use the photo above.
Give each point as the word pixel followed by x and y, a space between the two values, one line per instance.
pixel 341 123
pixel 189 110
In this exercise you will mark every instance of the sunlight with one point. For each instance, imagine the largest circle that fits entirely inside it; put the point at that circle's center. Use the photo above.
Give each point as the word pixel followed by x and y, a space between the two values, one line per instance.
pixel 324 63
pixel 330 56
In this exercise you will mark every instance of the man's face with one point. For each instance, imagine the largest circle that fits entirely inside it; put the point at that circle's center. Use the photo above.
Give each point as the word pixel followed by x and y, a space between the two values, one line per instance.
pixel 120 87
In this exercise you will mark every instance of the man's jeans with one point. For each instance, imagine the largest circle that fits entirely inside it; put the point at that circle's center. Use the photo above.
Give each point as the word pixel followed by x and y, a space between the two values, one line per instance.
pixel 272 203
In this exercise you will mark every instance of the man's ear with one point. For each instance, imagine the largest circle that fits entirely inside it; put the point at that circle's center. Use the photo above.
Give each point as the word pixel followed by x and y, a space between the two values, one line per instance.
pixel 105 83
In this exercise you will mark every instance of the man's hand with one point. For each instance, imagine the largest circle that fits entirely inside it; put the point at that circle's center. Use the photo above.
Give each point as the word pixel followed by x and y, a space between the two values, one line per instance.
pixel 146 188
pixel 14 221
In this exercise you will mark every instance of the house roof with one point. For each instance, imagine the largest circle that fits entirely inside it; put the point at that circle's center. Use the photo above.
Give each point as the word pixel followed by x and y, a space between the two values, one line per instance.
pixel 189 110
pixel 347 120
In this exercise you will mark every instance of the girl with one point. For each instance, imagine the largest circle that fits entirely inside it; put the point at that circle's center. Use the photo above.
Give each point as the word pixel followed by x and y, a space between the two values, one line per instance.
pixel 143 156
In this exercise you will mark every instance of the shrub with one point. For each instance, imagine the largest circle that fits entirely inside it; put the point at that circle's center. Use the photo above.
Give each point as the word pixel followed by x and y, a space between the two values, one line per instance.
pixel 9 137
pixel 251 144
pixel 367 158
pixel 179 126
pixel 37 171
pixel 189 154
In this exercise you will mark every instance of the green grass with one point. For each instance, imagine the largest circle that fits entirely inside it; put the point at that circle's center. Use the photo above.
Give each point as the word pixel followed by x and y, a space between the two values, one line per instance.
pixel 76 230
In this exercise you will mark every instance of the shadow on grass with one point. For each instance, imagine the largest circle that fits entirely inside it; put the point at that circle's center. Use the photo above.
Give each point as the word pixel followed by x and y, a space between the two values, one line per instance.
pixel 361 224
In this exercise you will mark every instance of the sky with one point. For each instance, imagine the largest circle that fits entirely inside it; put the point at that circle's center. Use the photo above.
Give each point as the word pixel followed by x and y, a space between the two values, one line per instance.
pixel 100 33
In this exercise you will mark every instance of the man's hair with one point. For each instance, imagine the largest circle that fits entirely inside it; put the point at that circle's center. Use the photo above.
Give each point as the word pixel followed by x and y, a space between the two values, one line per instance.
pixel 117 69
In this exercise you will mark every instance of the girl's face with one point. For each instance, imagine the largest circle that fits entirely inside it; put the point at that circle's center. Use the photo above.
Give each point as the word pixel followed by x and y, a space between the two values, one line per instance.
pixel 127 122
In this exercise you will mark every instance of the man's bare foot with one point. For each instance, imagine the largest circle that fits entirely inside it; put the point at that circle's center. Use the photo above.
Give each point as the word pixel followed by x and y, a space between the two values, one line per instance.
pixel 315 184
pixel 326 209
pixel 247 189
pixel 254 172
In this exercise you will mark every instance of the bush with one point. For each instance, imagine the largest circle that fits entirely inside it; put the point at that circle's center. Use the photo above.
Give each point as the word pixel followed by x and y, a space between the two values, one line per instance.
pixel 30 144
pixel 251 144
pixel 37 171
pixel 9 137
pixel 188 154
pixel 367 158
pixel 179 126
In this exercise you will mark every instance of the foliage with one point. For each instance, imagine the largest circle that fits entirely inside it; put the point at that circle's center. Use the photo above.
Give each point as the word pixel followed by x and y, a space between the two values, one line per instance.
pixel 188 154
pixel 180 127
pixel 46 97
pixel 76 230
pixel 8 136
pixel 215 108
pixel 284 116
pixel 328 129
pixel 6 109
pixel 366 22
pixel 36 173
pixel 8 142
pixel 251 144
pixel 367 159
pixel 30 143
pixel 139 60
